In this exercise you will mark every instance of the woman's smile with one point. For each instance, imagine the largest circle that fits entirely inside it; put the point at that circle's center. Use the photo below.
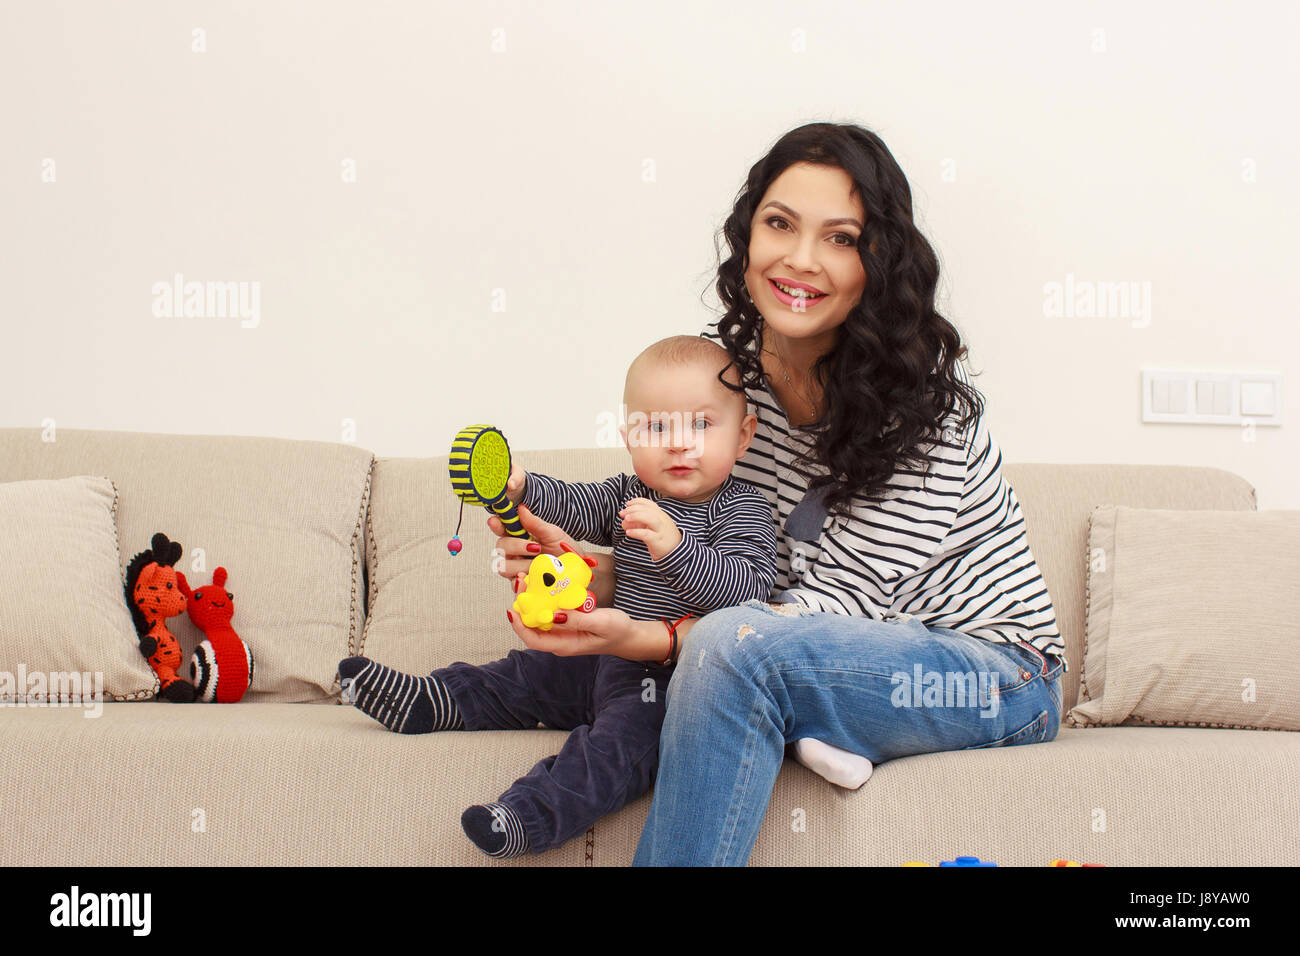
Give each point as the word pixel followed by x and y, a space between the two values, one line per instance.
pixel 805 301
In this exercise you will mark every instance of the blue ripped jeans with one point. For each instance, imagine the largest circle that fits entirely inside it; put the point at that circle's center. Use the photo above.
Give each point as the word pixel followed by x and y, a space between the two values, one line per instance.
pixel 752 679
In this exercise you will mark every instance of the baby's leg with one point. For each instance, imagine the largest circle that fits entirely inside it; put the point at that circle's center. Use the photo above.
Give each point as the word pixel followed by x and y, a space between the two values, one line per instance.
pixel 523 689
pixel 599 769
pixel 403 703
pixel 495 696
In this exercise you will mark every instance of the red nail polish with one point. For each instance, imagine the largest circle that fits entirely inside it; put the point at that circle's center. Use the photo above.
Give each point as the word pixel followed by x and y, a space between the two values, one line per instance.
pixel 534 547
pixel 561 617
pixel 509 618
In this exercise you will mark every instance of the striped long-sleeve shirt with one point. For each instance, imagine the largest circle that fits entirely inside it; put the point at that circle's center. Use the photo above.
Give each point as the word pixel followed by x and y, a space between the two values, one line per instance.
pixel 950 551
pixel 727 554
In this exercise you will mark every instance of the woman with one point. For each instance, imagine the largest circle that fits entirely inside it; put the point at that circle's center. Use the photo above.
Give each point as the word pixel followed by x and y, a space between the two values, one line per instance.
pixel 910 615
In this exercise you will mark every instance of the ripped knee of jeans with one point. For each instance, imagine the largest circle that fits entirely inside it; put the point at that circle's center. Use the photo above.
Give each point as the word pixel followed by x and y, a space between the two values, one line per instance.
pixel 788 609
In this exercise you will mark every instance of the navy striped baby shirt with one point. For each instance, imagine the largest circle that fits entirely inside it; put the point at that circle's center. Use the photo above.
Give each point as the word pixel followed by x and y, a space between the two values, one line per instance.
pixel 727 554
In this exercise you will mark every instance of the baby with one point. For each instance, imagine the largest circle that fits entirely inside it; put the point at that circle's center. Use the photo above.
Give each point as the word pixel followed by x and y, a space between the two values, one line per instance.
pixel 688 538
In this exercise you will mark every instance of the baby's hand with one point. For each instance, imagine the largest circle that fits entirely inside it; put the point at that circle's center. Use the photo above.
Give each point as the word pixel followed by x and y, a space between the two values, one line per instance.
pixel 647 522
pixel 515 484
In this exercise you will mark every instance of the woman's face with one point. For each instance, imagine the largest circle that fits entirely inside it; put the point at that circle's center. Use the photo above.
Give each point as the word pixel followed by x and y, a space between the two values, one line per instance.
pixel 805 233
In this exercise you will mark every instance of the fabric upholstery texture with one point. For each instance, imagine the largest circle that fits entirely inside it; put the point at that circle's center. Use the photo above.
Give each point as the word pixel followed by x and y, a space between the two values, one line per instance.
pixel 1190 619
pixel 62 607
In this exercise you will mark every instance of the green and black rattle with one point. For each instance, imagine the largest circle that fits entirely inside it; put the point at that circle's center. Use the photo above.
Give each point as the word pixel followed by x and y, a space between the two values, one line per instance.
pixel 479 465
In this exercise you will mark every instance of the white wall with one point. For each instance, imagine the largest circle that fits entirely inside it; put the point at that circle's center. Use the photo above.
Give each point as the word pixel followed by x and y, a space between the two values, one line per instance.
pixel 523 170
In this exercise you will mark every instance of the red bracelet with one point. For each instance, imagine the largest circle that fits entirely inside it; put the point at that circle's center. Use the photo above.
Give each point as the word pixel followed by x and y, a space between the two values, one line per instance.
pixel 672 630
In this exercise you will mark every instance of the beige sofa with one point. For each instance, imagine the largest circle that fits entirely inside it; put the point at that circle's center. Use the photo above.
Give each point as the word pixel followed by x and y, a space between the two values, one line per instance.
pixel 288 776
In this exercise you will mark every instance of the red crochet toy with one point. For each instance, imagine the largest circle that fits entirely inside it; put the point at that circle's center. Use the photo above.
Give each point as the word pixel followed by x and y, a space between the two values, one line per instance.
pixel 222 665
pixel 152 596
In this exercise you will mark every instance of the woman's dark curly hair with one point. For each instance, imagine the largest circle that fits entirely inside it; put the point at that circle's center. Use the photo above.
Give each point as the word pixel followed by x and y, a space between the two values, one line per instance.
pixel 893 362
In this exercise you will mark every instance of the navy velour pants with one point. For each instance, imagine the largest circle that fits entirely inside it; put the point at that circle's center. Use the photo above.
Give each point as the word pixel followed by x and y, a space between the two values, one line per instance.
pixel 614 708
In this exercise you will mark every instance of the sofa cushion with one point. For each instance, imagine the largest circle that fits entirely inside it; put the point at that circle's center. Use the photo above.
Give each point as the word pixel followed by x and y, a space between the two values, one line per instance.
pixel 65 631
pixel 283 517
pixel 1191 619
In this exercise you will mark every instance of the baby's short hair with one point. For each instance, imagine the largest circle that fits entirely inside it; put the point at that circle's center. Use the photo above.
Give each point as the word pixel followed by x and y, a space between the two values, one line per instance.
pixel 692 350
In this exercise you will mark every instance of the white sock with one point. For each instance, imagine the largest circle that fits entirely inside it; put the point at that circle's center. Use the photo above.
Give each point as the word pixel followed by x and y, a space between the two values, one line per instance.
pixel 840 767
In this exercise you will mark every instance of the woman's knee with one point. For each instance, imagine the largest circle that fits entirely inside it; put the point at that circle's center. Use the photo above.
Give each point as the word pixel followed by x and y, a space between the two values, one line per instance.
pixel 719 633
pixel 715 650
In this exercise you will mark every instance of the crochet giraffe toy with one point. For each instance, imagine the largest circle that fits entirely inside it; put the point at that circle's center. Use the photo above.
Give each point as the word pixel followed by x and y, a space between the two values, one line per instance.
pixel 152 596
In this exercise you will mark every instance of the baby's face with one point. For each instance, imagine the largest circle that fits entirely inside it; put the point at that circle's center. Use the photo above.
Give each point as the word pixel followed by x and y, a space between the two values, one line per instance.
pixel 684 429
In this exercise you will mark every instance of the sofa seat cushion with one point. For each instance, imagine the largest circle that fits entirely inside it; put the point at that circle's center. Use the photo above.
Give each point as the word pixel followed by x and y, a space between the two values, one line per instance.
pixel 1122 796
pixel 320 785
pixel 254 784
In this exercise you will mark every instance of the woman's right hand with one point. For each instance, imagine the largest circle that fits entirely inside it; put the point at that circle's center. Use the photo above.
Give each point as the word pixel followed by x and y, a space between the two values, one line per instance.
pixel 546 538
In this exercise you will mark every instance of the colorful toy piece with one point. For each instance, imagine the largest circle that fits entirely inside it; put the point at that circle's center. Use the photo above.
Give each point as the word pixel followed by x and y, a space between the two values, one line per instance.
pixel 222 665
pixel 975 861
pixel 479 465
pixel 555 583
pixel 1072 863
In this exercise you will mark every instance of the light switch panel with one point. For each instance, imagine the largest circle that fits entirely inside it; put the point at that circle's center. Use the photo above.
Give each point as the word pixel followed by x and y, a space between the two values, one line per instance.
pixel 1187 396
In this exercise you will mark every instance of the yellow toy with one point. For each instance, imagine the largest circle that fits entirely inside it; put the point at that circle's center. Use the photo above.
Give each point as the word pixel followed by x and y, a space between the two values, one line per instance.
pixel 555 583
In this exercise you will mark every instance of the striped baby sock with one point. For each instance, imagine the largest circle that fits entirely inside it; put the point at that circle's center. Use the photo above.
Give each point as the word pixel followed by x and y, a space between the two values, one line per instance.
pixel 402 703
pixel 495 829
